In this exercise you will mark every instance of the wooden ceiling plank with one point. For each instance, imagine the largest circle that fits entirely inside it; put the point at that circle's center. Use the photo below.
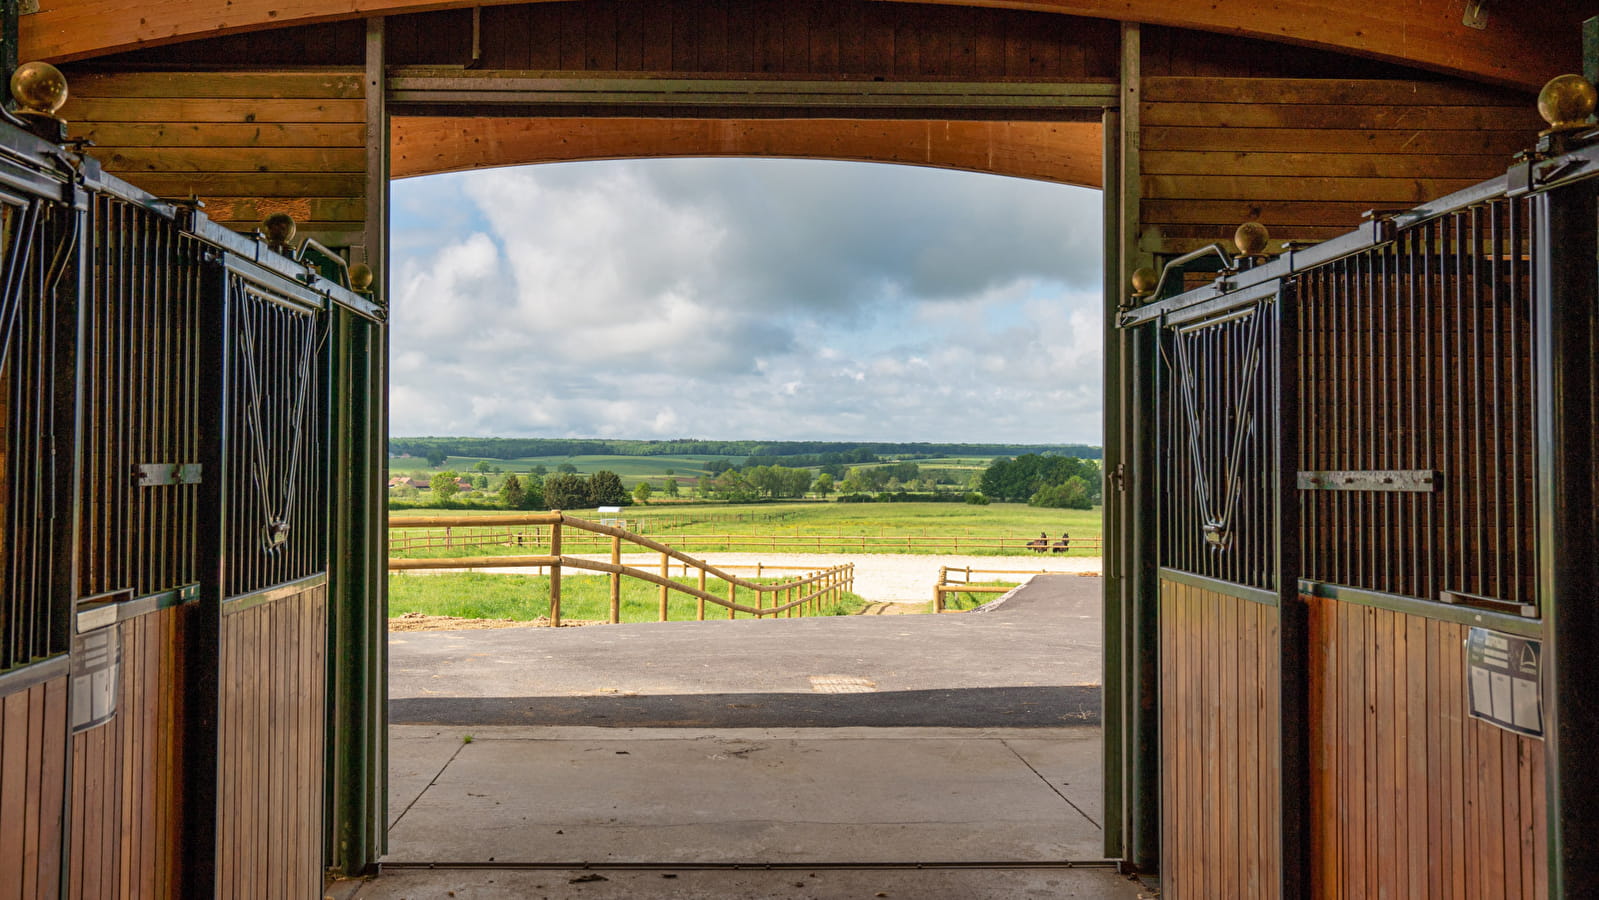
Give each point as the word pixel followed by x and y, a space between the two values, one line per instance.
pixel 1524 45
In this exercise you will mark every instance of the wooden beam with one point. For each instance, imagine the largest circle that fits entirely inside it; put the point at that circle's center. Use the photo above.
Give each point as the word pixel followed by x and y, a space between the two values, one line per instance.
pixel 1523 45
pixel 1065 152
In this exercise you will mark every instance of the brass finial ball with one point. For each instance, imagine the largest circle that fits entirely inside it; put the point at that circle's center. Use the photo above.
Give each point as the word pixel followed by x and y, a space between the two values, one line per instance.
pixel 279 228
pixel 1566 102
pixel 1251 238
pixel 39 88
pixel 360 277
pixel 1144 280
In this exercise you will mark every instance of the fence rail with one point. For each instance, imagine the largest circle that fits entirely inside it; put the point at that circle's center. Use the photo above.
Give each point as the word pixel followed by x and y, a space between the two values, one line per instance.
pixel 947 586
pixel 506 535
pixel 827 585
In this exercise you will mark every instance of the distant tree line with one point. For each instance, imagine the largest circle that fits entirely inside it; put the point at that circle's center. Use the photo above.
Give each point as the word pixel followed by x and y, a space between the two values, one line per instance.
pixel 437 449
pixel 1061 482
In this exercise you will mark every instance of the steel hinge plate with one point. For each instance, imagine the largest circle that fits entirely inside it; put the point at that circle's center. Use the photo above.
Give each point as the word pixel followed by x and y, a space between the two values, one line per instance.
pixel 154 474
pixel 1413 480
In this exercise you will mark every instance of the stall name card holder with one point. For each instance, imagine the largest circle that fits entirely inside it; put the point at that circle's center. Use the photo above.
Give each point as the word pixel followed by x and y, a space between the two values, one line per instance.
pixel 1503 671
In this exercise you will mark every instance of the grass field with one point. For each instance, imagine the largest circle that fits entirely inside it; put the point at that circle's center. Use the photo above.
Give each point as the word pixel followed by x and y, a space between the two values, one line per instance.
pixel 525 598
pixel 678 525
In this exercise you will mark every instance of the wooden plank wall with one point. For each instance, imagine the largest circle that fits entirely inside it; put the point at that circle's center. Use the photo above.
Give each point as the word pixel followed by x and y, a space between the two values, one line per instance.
pixel 1219 751
pixel 1237 130
pixel 127 773
pixel 270 748
pixel 248 143
pixel 1410 796
pixel 766 37
pixel 33 740
pixel 1068 152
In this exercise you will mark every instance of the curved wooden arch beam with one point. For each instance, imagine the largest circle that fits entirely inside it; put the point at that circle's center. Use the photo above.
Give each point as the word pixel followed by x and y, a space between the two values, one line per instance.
pixel 1069 153
pixel 1524 44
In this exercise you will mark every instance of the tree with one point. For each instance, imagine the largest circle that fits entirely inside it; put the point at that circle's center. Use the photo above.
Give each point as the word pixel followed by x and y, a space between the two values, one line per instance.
pixel 642 492
pixel 565 491
pixel 795 481
pixel 824 484
pixel 482 465
pixel 540 471
pixel 1069 494
pixel 532 493
pixel 671 487
pixel 436 457
pixel 446 485
pixel 511 494
pixel 671 472
pixel 605 489
pixel 566 469
pixel 480 482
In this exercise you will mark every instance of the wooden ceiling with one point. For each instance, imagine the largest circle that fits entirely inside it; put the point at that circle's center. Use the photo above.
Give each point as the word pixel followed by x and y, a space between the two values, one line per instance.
pixel 1523 44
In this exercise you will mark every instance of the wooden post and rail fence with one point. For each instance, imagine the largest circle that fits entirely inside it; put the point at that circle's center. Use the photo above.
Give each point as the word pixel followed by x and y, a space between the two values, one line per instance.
pixel 947 586
pixel 826 586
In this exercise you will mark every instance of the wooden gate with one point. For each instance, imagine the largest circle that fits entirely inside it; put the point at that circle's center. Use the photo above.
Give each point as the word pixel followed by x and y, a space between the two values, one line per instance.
pixel 1223 550
pixel 1363 451
pixel 164 435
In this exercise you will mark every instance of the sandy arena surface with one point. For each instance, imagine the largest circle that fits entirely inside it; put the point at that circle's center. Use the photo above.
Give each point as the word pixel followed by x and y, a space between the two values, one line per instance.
pixel 883 577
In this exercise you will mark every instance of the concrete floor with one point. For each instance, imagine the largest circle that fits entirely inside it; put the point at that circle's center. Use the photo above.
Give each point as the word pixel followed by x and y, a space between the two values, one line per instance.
pixel 813 795
pixel 796 884
pixel 679 779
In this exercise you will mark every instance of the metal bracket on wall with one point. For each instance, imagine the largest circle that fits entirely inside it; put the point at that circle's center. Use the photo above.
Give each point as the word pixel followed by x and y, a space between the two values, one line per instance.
pixel 1476 14
pixel 152 474
pixel 1413 480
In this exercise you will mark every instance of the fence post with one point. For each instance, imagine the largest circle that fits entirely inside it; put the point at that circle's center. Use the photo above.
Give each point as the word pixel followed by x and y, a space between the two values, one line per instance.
pixel 938 590
pixel 666 572
pixel 732 597
pixel 699 612
pixel 555 576
pixel 616 580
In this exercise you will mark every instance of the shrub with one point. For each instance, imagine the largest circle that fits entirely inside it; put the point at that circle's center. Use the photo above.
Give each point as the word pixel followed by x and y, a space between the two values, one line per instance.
pixel 976 499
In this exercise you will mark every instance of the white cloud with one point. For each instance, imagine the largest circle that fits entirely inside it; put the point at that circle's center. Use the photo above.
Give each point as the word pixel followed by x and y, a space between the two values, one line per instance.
pixel 747 299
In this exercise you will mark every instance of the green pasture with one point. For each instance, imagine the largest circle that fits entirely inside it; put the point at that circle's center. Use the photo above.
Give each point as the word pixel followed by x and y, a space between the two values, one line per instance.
pixel 802 522
pixel 524 598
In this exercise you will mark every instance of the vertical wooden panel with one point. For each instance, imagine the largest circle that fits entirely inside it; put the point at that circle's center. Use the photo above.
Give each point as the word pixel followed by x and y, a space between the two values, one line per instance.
pixel 1219 753
pixel 273 696
pixel 1458 808
pixel 128 771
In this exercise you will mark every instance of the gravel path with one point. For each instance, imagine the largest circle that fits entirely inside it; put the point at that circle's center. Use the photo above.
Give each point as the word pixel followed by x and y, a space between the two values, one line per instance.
pixel 885 577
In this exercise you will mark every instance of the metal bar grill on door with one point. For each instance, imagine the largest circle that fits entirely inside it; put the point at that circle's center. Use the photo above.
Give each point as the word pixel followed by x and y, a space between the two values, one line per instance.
pixel 36 249
pixel 1215 405
pixel 276 470
pixel 140 357
pixel 1417 392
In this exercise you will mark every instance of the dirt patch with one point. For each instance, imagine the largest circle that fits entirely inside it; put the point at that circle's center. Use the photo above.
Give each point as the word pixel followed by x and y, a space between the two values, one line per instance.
pixel 419 622
pixel 878 608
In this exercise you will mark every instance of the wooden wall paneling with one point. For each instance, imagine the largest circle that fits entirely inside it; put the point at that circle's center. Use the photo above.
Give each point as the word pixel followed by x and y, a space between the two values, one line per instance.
pixel 247 143
pixel 1412 797
pixel 128 771
pixel 1218 733
pixel 1306 156
pixel 33 725
pixel 270 796
pixel 1067 152
pixel 811 39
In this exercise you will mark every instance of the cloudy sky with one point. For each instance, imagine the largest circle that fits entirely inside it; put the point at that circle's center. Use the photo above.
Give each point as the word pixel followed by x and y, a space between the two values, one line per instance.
pixel 760 299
